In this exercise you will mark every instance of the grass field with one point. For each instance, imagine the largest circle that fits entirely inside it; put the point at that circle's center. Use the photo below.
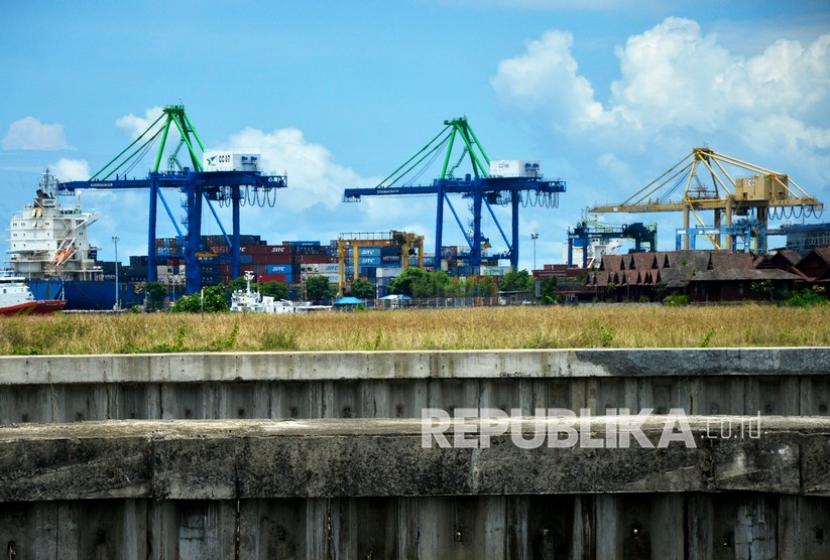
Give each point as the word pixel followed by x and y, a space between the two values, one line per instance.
pixel 508 327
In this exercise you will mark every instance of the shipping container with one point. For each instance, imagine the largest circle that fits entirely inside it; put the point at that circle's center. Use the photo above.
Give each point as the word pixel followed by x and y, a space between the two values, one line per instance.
pixel 270 259
pixel 315 259
pixel 369 261
pixel 388 272
pixel 278 249
pixel 215 160
pixel 514 168
pixel 281 278
pixel 390 251
pixel 369 251
pixel 278 269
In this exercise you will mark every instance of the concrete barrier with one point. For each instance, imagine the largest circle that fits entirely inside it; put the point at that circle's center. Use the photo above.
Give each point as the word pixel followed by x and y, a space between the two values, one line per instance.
pixel 782 381
pixel 367 489
pixel 202 469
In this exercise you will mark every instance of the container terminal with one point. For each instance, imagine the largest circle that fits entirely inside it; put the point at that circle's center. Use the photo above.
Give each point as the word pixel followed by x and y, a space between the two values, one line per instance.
pixel 49 239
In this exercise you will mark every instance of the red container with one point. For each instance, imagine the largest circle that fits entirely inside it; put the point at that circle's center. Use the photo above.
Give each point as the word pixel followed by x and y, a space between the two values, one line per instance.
pixel 265 250
pixel 319 258
pixel 278 258
pixel 279 249
pixel 271 278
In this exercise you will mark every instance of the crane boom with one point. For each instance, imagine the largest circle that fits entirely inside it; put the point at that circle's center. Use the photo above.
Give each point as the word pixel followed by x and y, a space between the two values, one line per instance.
pixel 709 186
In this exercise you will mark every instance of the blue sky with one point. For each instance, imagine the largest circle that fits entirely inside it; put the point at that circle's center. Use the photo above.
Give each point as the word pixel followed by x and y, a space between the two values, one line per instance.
pixel 605 93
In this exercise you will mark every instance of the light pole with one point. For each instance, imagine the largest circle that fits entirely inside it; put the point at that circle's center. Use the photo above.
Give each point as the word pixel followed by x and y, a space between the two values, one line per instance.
pixel 534 237
pixel 117 291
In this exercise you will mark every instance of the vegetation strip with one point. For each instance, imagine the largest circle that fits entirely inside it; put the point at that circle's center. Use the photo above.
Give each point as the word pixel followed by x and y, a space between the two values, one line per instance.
pixel 602 326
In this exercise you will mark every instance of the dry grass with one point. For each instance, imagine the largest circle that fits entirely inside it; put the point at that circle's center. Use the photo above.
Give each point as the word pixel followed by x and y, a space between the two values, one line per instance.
pixel 513 327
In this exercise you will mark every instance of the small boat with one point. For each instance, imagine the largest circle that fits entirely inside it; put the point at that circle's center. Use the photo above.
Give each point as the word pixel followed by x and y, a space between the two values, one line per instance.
pixel 17 299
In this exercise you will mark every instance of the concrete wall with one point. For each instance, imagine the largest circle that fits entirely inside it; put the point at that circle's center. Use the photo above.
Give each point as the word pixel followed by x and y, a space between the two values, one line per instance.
pixel 363 489
pixel 547 527
pixel 399 384
pixel 367 489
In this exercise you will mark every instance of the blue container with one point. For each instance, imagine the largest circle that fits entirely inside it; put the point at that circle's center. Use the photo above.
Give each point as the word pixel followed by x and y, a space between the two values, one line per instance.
pixel 369 261
pixel 368 251
pixel 278 269
pixel 390 251
pixel 246 259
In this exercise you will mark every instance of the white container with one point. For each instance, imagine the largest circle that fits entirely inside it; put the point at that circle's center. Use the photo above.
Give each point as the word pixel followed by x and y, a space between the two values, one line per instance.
pixel 217 160
pixel 388 272
pixel 514 168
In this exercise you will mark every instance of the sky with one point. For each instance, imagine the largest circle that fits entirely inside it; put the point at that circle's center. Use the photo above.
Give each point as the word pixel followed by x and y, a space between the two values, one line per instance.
pixel 606 94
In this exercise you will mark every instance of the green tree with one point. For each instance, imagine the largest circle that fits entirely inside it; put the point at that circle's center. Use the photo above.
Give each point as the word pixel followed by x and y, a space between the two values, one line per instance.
pixel 276 290
pixel 236 284
pixel 402 284
pixel 433 284
pixel 549 290
pixel 516 281
pixel 214 301
pixel 155 292
pixel 317 288
pixel 362 289
pixel 486 287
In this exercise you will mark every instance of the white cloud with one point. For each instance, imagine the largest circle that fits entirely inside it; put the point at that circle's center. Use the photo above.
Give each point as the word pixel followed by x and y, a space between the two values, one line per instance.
pixel 678 84
pixel 135 125
pixel 71 169
pixel 545 77
pixel 29 133
pixel 313 175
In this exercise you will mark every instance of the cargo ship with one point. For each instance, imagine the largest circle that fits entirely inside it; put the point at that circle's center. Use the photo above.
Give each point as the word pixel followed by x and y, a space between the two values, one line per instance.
pixel 16 299
pixel 49 239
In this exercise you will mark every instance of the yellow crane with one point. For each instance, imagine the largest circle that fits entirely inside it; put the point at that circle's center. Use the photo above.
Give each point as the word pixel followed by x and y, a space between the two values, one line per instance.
pixel 354 241
pixel 707 184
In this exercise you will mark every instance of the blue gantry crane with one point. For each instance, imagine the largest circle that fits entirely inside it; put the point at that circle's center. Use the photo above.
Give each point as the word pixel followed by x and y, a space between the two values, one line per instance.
pixel 232 188
pixel 482 188
pixel 587 231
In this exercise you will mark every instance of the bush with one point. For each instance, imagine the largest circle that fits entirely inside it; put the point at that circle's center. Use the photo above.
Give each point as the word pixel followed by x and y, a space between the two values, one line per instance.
pixel 549 290
pixel 361 289
pixel 516 281
pixel 318 288
pixel 676 299
pixel 214 301
pixel 155 294
pixel 808 298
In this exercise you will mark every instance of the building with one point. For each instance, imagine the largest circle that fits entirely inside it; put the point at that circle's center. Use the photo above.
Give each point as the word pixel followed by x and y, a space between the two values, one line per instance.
pixel 815 267
pixel 702 275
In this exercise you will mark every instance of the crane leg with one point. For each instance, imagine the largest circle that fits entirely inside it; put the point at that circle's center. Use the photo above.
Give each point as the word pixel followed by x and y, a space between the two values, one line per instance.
pixel 475 252
pixel 235 258
pixel 686 227
pixel 514 250
pixel 193 277
pixel 439 228
pixel 151 232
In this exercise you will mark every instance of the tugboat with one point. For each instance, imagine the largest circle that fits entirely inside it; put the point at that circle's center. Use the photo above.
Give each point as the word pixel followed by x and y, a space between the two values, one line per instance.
pixel 16 299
